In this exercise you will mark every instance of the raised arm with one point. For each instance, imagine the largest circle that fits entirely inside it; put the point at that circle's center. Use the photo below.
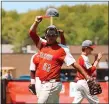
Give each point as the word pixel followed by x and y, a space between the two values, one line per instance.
pixel 97 59
pixel 80 69
pixel 33 32
pixel 62 38
pixel 34 26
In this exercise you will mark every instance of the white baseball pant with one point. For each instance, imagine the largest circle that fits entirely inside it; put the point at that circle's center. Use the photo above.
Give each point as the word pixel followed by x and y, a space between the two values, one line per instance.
pixel 82 91
pixel 37 85
pixel 49 92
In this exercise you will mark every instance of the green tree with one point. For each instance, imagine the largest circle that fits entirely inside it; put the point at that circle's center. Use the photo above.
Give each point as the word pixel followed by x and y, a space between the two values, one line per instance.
pixel 79 22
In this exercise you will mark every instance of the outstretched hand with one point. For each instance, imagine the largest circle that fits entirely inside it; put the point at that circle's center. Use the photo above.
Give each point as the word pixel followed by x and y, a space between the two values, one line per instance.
pixel 98 56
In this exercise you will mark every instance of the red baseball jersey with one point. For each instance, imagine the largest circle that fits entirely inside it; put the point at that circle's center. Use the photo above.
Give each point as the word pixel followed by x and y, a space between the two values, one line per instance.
pixel 87 66
pixel 39 42
pixel 51 58
pixel 34 62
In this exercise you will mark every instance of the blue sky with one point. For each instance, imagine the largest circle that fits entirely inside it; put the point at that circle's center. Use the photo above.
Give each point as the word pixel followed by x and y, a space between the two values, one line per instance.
pixel 25 6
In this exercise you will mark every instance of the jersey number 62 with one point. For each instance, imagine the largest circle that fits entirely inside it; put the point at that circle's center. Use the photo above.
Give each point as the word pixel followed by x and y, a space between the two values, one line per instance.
pixel 47 67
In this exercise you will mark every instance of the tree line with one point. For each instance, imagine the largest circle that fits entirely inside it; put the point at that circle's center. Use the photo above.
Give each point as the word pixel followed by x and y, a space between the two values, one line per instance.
pixel 79 22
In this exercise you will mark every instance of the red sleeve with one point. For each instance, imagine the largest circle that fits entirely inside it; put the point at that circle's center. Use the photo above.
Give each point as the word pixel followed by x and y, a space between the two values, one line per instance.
pixel 34 37
pixel 36 62
pixel 92 69
pixel 81 61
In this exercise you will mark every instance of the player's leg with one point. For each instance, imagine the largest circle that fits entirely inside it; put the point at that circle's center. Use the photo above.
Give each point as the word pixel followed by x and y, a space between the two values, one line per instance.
pixel 44 92
pixel 56 98
pixel 53 97
pixel 56 88
pixel 43 97
pixel 78 97
pixel 37 85
pixel 92 99
pixel 49 92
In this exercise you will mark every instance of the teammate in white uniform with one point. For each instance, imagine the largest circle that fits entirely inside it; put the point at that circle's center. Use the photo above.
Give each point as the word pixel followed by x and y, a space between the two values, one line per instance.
pixel 82 89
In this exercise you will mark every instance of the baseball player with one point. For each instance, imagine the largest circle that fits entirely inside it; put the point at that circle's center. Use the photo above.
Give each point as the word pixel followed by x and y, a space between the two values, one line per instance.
pixel 82 89
pixel 33 67
pixel 35 85
pixel 52 56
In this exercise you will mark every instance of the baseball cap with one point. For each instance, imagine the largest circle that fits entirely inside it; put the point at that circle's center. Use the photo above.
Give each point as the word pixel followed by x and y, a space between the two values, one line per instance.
pixel 88 43
pixel 51 30
pixel 52 12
